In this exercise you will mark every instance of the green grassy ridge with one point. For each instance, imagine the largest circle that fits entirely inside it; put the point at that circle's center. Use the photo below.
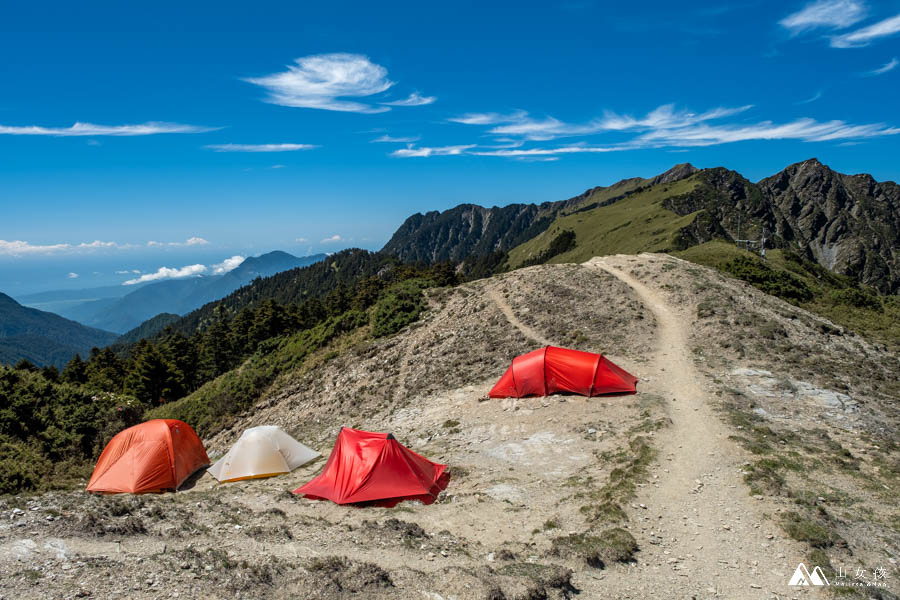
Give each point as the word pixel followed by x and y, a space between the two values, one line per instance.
pixel 636 223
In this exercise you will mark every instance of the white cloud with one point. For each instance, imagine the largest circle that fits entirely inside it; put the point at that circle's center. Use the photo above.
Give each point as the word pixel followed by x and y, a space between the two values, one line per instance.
pixel 415 99
pixel 538 152
pixel 322 80
pixel 21 247
pixel 432 151
pixel 332 240
pixel 520 124
pixel 82 129
pixel 806 130
pixel 663 127
pixel 866 35
pixel 229 264
pixel 888 66
pixel 72 275
pixel 833 14
pixel 666 117
pixel 259 147
pixel 387 139
pixel 491 118
pixel 277 167
pixel 811 99
pixel 168 273
pixel 192 241
pixel 301 240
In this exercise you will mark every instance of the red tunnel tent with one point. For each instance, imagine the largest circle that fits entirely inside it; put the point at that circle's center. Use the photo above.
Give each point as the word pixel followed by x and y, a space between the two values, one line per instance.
pixel 374 467
pixel 550 369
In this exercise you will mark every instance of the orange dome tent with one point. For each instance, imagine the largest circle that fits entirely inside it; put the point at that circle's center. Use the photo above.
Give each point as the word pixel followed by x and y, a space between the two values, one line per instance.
pixel 375 467
pixel 151 457
pixel 549 370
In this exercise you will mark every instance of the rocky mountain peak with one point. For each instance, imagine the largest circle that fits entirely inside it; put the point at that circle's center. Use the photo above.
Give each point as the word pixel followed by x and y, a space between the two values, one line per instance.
pixel 679 171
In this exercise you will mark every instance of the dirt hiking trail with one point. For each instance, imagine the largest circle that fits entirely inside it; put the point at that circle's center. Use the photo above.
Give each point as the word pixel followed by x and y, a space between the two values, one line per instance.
pixel 696 518
pixel 507 311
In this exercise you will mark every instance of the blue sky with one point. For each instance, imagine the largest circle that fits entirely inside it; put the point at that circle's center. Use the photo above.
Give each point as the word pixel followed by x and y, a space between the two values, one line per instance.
pixel 253 127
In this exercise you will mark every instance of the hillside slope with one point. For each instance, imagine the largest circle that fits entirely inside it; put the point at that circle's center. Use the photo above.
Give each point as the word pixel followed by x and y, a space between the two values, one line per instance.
pixel 761 436
pixel 43 338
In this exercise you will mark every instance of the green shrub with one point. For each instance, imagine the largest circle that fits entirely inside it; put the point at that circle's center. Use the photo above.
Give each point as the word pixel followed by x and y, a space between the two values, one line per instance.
pixel 768 280
pixel 400 305
pixel 22 468
pixel 858 298
pixel 562 243
pixel 803 529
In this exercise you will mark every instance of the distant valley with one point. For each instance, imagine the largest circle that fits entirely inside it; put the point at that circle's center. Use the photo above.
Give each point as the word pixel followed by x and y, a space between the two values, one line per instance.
pixel 122 308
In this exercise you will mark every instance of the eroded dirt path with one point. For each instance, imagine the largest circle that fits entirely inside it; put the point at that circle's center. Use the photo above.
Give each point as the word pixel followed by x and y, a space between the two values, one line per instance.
pixel 507 311
pixel 700 532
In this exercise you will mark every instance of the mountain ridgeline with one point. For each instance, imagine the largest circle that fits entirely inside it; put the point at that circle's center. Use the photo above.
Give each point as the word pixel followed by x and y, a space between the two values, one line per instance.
pixel 848 224
pixel 43 338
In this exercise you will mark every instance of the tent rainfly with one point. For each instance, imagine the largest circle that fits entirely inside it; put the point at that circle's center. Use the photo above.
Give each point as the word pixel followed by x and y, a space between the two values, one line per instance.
pixel 550 370
pixel 154 456
pixel 375 468
pixel 262 452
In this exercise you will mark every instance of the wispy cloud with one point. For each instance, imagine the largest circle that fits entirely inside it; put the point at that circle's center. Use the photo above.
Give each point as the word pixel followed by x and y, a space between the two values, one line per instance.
pixel 72 275
pixel 332 240
pixel 169 273
pixel 90 129
pixel 128 272
pixel 22 248
pixel 867 35
pixel 664 127
pixel 414 99
pixel 888 66
pixel 818 95
pixel 805 130
pixel 831 14
pixel 229 264
pixel 490 118
pixel 259 147
pixel 411 151
pixel 544 152
pixel 520 124
pixel 387 139
pixel 192 241
pixel 301 240
pixel 333 82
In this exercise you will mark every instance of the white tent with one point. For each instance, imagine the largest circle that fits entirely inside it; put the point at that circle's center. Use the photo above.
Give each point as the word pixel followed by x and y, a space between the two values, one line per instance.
pixel 262 452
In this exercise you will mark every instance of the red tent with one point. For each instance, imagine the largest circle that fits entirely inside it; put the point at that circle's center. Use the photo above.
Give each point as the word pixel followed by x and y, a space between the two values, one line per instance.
pixel 549 370
pixel 375 467
pixel 154 456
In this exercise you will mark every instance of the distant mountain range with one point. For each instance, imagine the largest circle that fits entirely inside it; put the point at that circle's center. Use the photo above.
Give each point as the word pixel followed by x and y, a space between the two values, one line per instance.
pixel 849 224
pixel 112 310
pixel 43 338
